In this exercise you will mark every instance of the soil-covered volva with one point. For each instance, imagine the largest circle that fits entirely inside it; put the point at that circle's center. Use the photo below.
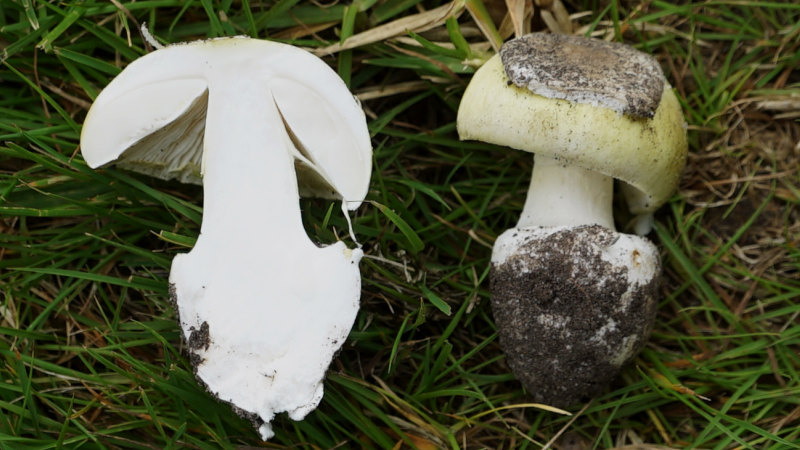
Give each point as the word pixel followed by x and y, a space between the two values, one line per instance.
pixel 568 319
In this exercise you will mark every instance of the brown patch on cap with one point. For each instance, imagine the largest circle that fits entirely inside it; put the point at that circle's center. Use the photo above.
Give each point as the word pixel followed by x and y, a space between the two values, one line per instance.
pixel 561 314
pixel 585 70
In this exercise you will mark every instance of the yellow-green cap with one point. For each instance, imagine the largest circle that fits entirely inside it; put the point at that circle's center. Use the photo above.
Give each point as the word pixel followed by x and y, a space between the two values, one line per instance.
pixel 587 103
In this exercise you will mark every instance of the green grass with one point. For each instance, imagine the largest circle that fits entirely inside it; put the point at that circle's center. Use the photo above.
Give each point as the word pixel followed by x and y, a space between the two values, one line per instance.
pixel 90 348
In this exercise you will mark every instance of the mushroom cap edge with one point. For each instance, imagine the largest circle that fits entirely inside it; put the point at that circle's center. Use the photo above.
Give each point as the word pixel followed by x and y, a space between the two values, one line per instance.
pixel 647 154
pixel 169 84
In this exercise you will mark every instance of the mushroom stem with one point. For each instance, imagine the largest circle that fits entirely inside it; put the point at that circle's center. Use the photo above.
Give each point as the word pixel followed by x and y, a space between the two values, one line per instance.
pixel 565 195
pixel 245 136
pixel 254 274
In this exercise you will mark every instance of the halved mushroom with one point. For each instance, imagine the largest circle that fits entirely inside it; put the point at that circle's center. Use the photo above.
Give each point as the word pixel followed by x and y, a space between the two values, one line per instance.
pixel 262 308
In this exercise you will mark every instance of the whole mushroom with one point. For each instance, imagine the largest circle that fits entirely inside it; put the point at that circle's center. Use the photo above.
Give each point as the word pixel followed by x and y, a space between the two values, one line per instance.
pixel 574 300
pixel 262 308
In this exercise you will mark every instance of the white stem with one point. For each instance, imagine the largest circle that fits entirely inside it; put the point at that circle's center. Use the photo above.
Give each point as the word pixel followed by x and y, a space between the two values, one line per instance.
pixel 249 179
pixel 274 307
pixel 562 195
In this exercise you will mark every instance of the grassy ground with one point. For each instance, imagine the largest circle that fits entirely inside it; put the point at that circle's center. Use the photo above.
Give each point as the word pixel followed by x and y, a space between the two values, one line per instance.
pixel 91 354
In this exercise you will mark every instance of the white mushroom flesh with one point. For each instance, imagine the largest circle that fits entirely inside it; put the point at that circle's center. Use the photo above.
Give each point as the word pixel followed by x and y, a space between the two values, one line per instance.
pixel 262 308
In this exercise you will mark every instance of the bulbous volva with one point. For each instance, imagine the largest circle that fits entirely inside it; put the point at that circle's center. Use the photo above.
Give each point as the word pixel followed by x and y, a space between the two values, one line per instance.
pixel 572 306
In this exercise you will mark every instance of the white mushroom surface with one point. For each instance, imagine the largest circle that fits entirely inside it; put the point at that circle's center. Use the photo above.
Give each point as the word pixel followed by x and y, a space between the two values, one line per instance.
pixel 263 309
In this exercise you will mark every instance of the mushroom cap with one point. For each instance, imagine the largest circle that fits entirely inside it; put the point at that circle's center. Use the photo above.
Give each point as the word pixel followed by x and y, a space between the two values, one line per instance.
pixel 151 118
pixel 599 105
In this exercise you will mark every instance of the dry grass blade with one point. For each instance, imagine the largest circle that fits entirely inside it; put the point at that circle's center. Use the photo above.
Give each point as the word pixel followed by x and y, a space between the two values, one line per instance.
pixel 562 17
pixel 787 106
pixel 302 31
pixel 516 14
pixel 374 92
pixel 566 425
pixel 417 23
pixel 605 30
pixel 483 19
pixel 555 16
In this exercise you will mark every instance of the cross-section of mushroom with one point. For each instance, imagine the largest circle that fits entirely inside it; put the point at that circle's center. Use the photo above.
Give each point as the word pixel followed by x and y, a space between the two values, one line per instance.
pixel 262 308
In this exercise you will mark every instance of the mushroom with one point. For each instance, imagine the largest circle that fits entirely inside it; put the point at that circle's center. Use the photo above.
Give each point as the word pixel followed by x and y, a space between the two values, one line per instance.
pixel 574 299
pixel 262 308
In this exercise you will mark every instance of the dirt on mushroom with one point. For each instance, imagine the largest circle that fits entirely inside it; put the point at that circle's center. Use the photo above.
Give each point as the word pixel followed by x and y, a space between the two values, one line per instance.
pixel 557 296
pixel 199 338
